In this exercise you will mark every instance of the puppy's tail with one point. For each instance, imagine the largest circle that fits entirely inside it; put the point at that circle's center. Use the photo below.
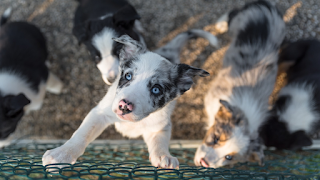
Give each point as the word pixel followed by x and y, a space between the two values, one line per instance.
pixel 5 16
pixel 172 49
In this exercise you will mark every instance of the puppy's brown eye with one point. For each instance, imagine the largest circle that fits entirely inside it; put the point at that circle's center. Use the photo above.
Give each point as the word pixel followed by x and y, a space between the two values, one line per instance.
pixel 228 157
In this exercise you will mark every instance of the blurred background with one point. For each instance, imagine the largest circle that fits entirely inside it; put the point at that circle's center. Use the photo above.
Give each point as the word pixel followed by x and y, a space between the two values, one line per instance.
pixel 62 114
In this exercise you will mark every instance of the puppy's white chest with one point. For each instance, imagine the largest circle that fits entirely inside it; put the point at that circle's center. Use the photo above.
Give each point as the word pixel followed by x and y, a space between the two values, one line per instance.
pixel 129 129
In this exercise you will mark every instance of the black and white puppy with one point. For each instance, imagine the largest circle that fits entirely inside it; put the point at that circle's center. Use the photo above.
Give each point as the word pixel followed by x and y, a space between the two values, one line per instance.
pixel 237 102
pixel 140 103
pixel 295 117
pixel 96 22
pixel 24 76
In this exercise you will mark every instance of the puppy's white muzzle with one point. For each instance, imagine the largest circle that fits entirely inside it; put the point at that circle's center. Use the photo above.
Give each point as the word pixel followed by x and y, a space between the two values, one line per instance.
pixel 109 68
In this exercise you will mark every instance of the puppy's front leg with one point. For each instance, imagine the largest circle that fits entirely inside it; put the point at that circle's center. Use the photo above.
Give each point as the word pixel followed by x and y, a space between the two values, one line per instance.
pixel 92 126
pixel 158 147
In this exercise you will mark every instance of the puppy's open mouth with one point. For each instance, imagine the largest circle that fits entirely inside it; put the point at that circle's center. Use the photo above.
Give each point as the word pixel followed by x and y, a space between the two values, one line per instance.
pixel 204 163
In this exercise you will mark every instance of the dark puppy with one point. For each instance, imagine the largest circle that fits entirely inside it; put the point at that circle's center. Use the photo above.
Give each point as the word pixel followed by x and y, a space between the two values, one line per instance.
pixel 24 77
pixel 96 22
pixel 295 116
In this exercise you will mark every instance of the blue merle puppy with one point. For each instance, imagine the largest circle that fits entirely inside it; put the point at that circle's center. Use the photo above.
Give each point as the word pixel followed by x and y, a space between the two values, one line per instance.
pixel 140 103
pixel 237 102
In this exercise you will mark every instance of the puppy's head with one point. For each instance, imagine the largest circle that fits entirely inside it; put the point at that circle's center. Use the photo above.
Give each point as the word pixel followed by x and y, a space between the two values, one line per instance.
pixel 97 35
pixel 227 141
pixel 148 81
pixel 11 111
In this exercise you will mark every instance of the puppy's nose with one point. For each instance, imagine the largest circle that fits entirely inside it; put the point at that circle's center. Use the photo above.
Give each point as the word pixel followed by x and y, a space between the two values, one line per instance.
pixel 125 106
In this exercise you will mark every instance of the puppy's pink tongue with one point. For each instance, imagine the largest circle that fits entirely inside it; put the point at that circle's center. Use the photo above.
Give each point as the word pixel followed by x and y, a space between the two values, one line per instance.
pixel 203 163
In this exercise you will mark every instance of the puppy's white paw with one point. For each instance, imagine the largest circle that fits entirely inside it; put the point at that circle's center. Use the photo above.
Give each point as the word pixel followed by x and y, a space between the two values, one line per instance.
pixel 222 23
pixel 221 27
pixel 164 161
pixel 54 84
pixel 59 155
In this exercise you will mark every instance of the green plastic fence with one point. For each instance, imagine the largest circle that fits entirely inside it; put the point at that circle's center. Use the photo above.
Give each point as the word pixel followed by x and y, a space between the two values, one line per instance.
pixel 23 161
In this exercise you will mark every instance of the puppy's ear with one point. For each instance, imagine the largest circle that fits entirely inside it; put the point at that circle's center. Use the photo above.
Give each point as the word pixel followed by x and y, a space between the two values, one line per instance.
pixel 300 139
pixel 15 104
pixel 185 73
pixel 282 103
pixel 226 105
pixel 130 47
pixel 125 17
pixel 81 32
pixel 290 53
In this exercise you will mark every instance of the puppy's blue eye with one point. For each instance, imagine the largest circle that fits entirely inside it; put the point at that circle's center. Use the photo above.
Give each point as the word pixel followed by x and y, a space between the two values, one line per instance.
pixel 155 90
pixel 128 76
pixel 228 157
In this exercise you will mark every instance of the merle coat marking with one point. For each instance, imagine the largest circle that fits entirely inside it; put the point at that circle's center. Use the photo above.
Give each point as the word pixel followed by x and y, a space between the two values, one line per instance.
pixel 242 86
pixel 139 103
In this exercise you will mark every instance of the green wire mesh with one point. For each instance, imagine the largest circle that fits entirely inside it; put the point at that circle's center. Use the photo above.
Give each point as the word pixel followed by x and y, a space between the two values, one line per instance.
pixel 23 161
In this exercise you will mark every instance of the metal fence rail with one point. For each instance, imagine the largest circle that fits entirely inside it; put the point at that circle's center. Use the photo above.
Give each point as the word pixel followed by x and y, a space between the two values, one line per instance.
pixel 130 161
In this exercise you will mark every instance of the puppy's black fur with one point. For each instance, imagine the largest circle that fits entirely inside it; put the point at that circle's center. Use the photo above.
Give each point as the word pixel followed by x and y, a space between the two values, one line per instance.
pixel 23 49
pixel 302 59
pixel 89 20
pixel 23 53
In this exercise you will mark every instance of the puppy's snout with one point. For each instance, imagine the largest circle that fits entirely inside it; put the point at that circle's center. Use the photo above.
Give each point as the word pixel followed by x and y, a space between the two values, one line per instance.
pixel 125 106
pixel 111 79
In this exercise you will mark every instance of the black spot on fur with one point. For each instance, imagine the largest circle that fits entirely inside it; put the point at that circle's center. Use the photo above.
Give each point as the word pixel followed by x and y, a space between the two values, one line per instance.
pixel 161 102
pixel 242 55
pixel 123 82
pixel 126 64
pixel 255 33
pixel 116 49
pixel 282 103
pixel 173 95
pixel 275 134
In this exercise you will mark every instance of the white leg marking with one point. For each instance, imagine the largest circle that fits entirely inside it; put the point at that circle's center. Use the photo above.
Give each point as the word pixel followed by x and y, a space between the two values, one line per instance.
pixel 158 147
pixel 222 23
pixel 92 126
pixel 54 84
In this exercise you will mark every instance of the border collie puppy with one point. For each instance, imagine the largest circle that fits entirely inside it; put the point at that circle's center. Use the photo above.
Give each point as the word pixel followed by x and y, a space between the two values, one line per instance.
pixel 96 22
pixel 139 103
pixel 24 76
pixel 237 103
pixel 295 117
